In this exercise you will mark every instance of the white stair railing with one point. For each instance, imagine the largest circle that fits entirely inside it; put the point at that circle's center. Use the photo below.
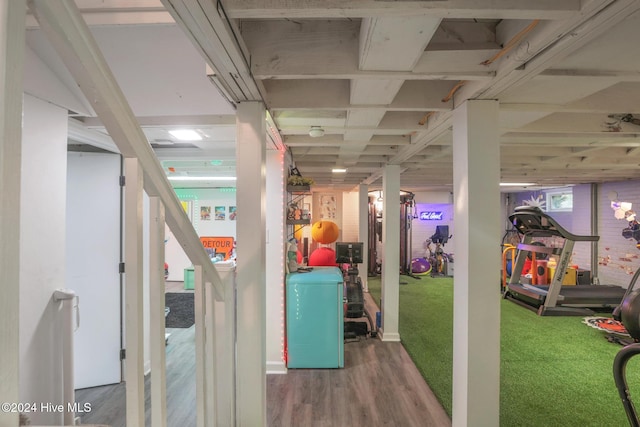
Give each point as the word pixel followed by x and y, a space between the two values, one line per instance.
pixel 65 28
pixel 68 301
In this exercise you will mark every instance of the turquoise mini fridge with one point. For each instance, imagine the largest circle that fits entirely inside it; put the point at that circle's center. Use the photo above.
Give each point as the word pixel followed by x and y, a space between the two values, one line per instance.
pixel 315 323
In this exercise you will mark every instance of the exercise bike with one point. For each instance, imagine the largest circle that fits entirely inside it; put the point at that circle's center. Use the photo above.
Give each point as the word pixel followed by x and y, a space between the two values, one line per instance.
pixel 438 259
pixel 350 253
pixel 435 262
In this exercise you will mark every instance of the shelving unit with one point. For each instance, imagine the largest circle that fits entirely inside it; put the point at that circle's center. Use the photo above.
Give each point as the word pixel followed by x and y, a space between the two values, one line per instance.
pixel 296 195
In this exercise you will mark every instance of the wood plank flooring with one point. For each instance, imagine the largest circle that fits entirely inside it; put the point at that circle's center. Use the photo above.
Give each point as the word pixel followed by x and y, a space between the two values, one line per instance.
pixel 379 386
pixel 108 403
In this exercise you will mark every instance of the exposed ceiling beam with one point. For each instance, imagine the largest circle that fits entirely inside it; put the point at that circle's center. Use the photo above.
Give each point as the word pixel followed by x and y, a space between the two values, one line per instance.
pixel 303 72
pixel 301 95
pixel 337 141
pixel 552 41
pixel 559 108
pixel 206 25
pixel 547 43
pixel 500 9
pixel 394 43
pixel 170 121
pixel 329 50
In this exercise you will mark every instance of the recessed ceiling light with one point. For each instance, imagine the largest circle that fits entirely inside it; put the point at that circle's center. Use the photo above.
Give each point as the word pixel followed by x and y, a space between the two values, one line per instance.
pixel 186 134
pixel 338 170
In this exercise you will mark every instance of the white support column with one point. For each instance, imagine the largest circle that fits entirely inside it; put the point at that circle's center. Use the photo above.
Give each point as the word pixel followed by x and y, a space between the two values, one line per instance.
pixel 363 232
pixel 134 336
pixel 275 219
pixel 391 262
pixel 199 312
pixel 476 300
pixel 251 237
pixel 157 304
pixel 12 18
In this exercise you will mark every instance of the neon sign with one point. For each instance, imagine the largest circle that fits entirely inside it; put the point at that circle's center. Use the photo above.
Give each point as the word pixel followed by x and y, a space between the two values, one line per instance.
pixel 431 215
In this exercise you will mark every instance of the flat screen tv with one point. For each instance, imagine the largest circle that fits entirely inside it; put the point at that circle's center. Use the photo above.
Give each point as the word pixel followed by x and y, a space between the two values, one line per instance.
pixel 349 252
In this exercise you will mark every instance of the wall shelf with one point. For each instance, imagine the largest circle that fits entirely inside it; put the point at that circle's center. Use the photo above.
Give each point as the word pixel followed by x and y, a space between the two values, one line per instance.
pixel 298 221
pixel 298 189
pixel 296 195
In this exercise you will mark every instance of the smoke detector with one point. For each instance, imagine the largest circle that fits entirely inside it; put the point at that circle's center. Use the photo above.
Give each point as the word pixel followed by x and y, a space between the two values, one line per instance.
pixel 316 131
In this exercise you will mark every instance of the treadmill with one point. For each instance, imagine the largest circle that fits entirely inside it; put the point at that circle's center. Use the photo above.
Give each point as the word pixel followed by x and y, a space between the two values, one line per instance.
pixel 554 299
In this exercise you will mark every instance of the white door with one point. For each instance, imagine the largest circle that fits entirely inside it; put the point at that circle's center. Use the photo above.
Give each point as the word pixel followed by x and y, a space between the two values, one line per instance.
pixel 93 256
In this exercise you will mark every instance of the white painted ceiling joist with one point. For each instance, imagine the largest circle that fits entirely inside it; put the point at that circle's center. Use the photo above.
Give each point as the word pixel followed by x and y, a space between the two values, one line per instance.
pixel 502 9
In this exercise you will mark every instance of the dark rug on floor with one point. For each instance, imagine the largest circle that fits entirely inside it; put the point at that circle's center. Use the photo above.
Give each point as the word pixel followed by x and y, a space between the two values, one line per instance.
pixel 181 306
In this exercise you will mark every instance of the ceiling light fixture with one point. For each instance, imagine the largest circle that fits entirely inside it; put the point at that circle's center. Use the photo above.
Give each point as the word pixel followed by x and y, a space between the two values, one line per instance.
pixel 339 170
pixel 316 131
pixel 202 178
pixel 186 134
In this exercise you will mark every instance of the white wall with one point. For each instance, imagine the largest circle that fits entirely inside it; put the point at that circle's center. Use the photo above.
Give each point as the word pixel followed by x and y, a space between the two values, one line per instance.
pixel 439 197
pixel 199 197
pixel 618 258
pixel 275 263
pixel 42 253
pixel 581 225
pixel 350 219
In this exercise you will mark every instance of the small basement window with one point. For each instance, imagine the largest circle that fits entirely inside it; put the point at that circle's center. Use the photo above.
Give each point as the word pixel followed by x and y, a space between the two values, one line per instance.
pixel 560 200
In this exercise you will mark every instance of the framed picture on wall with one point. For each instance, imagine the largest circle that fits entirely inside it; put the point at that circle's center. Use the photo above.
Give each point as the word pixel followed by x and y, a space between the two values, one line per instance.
pixel 232 213
pixel 220 213
pixel 328 206
pixel 205 213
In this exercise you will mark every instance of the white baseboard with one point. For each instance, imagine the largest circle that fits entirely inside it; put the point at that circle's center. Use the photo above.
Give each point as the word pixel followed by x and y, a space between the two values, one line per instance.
pixel 389 337
pixel 276 368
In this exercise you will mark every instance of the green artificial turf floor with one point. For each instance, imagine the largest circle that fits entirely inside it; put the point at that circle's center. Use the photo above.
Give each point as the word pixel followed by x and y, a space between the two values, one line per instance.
pixel 555 371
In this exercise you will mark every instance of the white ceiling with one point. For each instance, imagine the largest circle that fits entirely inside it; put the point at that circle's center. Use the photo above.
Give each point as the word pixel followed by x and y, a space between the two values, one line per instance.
pixel 374 74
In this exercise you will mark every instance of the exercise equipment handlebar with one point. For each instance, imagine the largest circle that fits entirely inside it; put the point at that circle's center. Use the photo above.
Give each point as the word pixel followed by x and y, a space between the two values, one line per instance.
pixel 532 221
pixel 619 375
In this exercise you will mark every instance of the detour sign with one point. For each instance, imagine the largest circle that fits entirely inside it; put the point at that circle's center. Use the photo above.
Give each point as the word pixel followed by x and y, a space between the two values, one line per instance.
pixel 222 245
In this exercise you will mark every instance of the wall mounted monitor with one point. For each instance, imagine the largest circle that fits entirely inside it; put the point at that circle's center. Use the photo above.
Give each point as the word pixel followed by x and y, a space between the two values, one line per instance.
pixel 349 252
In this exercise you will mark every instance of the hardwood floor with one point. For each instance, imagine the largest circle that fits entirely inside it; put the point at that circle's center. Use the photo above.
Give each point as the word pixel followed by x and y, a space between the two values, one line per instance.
pixel 379 386
pixel 108 403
